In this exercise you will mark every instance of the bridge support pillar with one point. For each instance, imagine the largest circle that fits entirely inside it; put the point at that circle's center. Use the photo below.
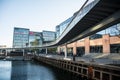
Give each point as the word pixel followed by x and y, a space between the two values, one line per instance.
pixel 1 51
pixel 65 51
pixel 6 53
pixel 58 49
pixel 75 48
pixel 46 51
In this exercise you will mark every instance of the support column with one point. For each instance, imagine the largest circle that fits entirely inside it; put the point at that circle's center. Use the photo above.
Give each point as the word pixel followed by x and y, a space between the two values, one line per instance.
pixel 74 48
pixel 46 51
pixel 87 45
pixel 1 51
pixel 6 53
pixel 106 43
pixel 23 52
pixel 35 52
pixel 65 51
pixel 58 49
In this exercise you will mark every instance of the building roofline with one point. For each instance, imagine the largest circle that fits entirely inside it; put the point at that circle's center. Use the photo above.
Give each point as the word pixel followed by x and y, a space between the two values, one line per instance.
pixel 21 28
pixel 48 31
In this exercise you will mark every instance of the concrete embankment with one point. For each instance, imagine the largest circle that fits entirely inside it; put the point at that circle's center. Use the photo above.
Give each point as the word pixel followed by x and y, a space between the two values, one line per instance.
pixel 85 70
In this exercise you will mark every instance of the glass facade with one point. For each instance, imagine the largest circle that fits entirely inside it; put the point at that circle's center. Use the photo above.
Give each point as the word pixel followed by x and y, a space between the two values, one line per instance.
pixel 35 39
pixel 21 37
pixel 112 31
pixel 80 51
pixel 75 18
pixel 25 38
pixel 48 36
pixel 61 27
pixel 57 31
pixel 64 24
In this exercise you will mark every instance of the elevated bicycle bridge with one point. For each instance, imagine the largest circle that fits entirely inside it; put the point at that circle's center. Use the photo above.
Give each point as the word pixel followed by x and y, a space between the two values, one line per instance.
pixel 98 15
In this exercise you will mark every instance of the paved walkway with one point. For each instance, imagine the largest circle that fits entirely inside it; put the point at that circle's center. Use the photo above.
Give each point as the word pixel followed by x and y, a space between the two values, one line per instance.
pixel 93 57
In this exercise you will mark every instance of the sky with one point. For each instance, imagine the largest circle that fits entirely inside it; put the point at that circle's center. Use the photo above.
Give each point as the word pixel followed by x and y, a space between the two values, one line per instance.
pixel 36 15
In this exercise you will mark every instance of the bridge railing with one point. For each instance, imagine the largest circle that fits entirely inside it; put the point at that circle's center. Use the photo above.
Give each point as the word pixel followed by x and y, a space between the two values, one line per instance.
pixel 77 17
pixel 81 13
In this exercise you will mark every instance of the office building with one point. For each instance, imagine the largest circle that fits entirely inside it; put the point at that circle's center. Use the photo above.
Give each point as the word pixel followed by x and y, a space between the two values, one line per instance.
pixel 23 37
pixel 61 27
pixel 48 36
pixel 35 39
pixel 20 37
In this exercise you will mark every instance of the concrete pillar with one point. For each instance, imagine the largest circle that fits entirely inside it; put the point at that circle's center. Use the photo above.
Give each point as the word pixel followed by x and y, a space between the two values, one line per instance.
pixel 74 48
pixel 46 51
pixel 87 45
pixel 6 53
pixel 106 43
pixel 35 53
pixel 65 51
pixel 1 51
pixel 58 49
pixel 23 52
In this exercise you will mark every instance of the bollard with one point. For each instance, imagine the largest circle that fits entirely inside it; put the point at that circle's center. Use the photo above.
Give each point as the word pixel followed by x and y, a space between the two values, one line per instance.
pixel 90 73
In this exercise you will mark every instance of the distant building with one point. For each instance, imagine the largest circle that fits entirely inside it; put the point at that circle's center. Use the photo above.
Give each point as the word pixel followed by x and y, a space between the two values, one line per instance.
pixel 48 36
pixel 20 37
pixel 3 46
pixel 23 37
pixel 35 39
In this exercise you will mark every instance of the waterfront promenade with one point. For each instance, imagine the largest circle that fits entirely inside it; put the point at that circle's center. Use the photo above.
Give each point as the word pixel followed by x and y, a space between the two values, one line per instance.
pixel 98 58
pixel 108 70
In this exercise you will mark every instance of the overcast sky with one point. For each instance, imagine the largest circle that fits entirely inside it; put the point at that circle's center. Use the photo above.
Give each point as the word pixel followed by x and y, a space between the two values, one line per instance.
pixel 37 15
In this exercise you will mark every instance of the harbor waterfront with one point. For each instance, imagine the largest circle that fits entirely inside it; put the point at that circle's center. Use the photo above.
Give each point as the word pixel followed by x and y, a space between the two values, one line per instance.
pixel 30 70
pixel 85 46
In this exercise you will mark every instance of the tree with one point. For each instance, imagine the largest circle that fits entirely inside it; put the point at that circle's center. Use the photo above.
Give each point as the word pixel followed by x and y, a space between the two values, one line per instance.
pixel 115 30
pixel 35 42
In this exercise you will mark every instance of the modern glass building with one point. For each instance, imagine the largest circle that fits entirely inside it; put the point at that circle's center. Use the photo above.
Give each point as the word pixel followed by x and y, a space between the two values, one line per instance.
pixel 61 27
pixel 48 36
pixel 23 37
pixel 20 37
pixel 114 35
pixel 35 39
pixel 112 31
pixel 57 31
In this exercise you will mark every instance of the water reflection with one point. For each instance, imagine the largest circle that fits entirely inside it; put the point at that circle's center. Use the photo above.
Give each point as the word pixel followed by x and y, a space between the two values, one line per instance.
pixel 30 71
pixel 19 70
pixel 5 70
pixel 24 70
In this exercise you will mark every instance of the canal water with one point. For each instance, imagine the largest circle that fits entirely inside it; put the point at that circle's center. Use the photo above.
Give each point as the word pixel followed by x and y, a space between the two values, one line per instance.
pixel 30 70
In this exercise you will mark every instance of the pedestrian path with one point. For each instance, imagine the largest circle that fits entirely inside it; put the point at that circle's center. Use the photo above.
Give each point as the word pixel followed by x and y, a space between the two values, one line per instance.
pixel 97 58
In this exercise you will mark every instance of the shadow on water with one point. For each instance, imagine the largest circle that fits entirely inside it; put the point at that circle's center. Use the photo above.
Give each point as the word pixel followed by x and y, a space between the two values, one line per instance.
pixel 31 70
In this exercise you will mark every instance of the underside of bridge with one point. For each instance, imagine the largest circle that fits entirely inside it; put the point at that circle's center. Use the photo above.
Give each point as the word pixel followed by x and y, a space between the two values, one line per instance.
pixel 103 11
